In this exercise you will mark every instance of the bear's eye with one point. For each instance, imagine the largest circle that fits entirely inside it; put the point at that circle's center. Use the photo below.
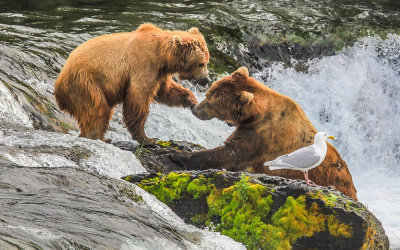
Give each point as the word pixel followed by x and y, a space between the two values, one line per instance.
pixel 201 65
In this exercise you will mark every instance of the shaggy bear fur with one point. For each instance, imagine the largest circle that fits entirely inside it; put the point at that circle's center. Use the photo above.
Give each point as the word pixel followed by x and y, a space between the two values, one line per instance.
pixel 268 125
pixel 132 68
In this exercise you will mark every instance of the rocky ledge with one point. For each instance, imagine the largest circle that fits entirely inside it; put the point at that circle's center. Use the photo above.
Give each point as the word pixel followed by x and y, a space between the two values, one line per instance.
pixel 266 212
pixel 258 210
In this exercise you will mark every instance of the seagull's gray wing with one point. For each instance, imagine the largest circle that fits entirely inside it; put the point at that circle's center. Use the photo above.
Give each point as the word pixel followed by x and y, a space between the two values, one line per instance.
pixel 301 158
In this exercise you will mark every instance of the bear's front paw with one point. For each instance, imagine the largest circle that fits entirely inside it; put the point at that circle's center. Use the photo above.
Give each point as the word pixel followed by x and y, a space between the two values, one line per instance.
pixel 190 101
pixel 180 160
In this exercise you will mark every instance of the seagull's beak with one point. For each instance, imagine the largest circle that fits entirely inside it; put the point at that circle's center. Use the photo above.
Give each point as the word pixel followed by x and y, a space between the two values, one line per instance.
pixel 331 137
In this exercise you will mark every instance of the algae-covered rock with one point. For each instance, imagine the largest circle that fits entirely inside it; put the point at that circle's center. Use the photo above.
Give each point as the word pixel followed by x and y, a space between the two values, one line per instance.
pixel 265 212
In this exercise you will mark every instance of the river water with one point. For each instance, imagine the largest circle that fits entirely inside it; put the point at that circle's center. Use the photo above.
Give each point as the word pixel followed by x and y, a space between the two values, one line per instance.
pixel 58 190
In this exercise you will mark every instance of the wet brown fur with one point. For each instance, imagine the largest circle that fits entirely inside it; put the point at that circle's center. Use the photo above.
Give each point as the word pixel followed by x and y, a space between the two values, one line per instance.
pixel 132 68
pixel 269 125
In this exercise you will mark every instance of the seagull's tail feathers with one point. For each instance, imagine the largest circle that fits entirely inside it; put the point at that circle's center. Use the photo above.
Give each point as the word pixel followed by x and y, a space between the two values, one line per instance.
pixel 276 165
pixel 275 162
pixel 269 163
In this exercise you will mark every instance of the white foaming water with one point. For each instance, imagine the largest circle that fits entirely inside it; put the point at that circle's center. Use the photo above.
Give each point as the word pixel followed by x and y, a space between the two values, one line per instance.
pixel 36 232
pixel 355 96
pixel 180 124
pixel 167 123
pixel 36 148
pixel 10 109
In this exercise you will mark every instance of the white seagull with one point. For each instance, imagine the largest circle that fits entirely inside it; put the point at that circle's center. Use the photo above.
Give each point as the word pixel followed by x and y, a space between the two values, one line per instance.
pixel 305 158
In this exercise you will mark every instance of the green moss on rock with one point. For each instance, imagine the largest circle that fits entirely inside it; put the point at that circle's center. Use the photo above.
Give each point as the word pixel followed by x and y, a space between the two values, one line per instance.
pixel 298 220
pixel 167 188
pixel 329 199
pixel 338 229
pixel 242 210
pixel 164 144
pixel 198 187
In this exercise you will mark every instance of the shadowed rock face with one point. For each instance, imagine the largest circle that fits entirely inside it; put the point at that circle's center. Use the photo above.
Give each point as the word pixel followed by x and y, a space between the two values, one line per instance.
pixel 267 212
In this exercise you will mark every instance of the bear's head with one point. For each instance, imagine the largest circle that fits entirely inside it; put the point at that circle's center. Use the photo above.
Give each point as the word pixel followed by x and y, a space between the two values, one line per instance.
pixel 231 99
pixel 193 56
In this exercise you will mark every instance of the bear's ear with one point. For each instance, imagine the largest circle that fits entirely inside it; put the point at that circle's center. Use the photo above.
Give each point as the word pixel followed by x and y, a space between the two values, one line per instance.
pixel 185 46
pixel 241 72
pixel 177 41
pixel 194 31
pixel 147 27
pixel 246 97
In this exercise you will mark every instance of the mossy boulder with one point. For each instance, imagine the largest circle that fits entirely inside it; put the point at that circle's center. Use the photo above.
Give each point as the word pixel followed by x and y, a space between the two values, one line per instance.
pixel 265 212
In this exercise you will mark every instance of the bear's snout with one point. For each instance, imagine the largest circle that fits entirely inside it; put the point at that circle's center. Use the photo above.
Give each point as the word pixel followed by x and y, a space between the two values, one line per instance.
pixel 202 112
pixel 203 81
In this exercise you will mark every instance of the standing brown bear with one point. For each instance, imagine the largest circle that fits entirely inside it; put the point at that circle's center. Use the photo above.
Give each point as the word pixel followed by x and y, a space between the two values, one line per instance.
pixel 132 68
pixel 268 124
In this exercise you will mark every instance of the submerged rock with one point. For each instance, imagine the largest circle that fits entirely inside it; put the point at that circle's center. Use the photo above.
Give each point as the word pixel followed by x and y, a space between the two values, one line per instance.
pixel 267 212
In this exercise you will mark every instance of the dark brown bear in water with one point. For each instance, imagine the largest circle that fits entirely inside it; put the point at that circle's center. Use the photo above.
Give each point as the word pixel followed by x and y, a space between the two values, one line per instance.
pixel 268 124
pixel 132 68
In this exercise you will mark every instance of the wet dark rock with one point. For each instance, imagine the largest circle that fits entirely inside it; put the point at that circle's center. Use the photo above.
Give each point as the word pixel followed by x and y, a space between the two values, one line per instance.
pixel 156 158
pixel 267 212
pixel 256 54
pixel 286 51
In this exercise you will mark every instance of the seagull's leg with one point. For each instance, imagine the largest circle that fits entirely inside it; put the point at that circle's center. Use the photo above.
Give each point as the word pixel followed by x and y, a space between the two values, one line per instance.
pixel 308 180
pixel 306 177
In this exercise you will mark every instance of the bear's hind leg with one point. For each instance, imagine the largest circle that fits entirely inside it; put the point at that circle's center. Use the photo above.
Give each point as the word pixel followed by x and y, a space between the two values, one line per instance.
pixel 94 126
pixel 94 112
